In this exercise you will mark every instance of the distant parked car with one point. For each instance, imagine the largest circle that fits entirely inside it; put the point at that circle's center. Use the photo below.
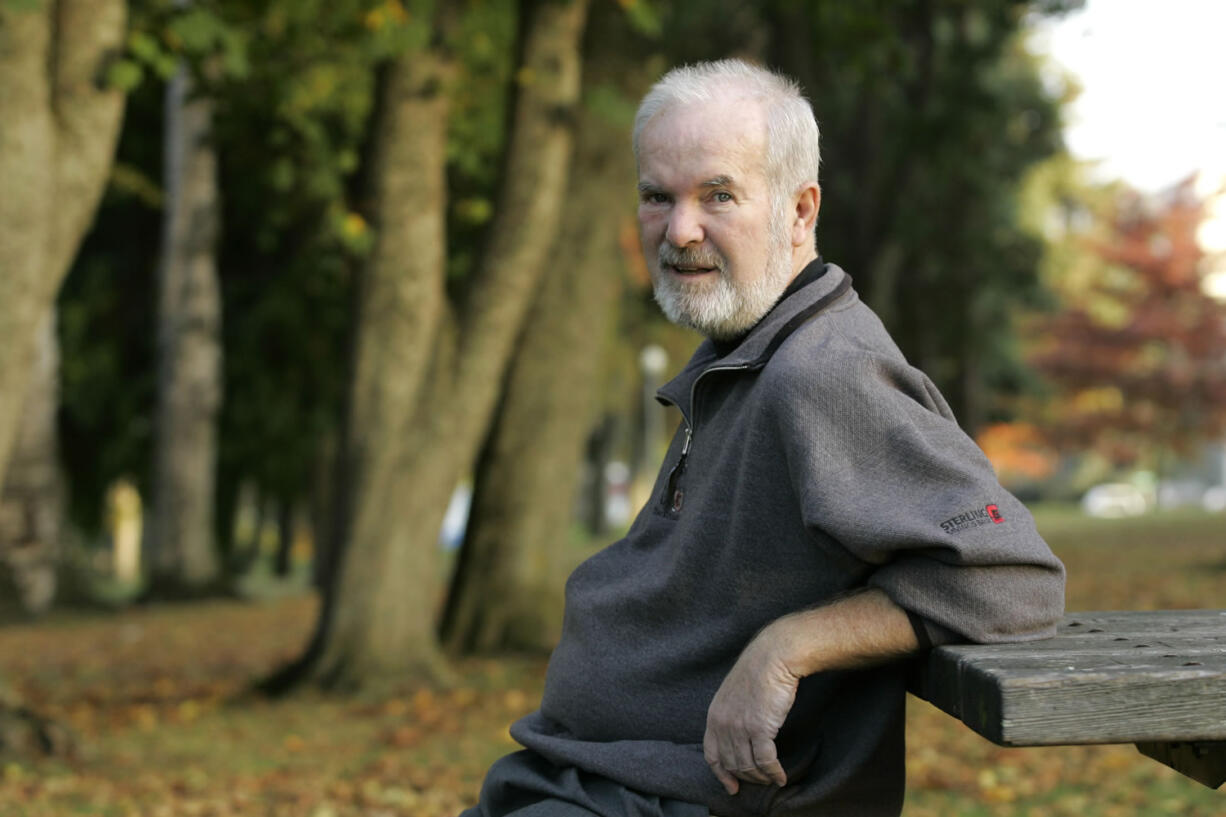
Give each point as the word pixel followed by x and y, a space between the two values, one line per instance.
pixel 1214 499
pixel 1181 493
pixel 1114 500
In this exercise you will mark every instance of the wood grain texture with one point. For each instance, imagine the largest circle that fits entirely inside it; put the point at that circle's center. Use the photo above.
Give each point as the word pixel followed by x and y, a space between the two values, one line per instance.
pixel 1107 677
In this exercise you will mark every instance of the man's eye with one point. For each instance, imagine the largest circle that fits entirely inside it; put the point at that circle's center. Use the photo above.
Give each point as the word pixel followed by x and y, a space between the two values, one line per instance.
pixel 655 198
pixel 723 196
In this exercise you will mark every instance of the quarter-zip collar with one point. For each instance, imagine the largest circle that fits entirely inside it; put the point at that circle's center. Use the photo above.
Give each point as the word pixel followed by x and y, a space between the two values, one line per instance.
pixel 756 348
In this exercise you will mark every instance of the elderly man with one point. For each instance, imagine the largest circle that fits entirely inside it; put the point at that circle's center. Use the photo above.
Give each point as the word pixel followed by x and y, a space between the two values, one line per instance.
pixel 818 517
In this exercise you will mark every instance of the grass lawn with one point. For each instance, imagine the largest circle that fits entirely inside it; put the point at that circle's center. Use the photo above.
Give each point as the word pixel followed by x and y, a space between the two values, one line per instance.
pixel 155 697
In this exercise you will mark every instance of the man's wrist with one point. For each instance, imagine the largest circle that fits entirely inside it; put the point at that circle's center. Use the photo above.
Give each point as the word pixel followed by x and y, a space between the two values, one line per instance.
pixel 793 643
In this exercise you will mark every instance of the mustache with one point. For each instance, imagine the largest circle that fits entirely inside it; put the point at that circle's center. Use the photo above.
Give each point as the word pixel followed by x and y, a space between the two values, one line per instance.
pixel 687 257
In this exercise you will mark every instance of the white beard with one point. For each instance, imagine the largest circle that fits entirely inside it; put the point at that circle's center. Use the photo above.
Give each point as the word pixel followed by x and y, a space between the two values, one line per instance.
pixel 721 308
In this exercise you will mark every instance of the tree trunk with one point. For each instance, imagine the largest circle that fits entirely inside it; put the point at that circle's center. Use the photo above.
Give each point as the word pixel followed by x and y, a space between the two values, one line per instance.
pixel 30 514
pixel 189 351
pixel 363 632
pixel 426 378
pixel 321 507
pixel 58 129
pixel 30 503
pixel 506 593
pixel 285 539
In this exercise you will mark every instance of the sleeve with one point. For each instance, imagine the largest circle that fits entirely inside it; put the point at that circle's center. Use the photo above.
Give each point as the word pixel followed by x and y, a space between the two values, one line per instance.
pixel 878 463
pixel 930 635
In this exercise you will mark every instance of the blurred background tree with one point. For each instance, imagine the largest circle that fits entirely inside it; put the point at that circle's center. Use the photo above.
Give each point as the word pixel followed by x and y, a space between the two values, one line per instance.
pixel 59 119
pixel 189 342
pixel 506 588
pixel 1147 381
pixel 932 112
pixel 61 116
pixel 428 368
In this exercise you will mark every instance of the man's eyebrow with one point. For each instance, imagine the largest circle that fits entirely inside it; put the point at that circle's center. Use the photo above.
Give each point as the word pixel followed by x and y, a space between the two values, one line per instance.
pixel 719 181
pixel 722 180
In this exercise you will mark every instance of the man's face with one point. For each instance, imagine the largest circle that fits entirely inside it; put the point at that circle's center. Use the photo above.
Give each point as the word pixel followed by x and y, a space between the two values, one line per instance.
pixel 717 245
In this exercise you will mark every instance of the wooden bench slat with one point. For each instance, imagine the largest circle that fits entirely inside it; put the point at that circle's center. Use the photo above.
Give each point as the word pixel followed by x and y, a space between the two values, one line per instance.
pixel 1164 680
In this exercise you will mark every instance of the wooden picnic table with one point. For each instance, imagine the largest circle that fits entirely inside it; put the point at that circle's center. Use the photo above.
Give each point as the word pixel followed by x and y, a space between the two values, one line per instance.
pixel 1156 679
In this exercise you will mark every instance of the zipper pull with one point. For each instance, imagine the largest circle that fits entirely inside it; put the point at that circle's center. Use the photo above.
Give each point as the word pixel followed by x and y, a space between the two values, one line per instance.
pixel 673 496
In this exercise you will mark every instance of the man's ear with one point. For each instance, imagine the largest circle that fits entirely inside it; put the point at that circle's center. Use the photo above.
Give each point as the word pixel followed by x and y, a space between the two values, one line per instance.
pixel 808 202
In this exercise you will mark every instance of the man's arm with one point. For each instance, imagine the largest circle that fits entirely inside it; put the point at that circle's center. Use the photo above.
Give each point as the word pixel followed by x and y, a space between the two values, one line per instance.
pixel 880 467
pixel 751 704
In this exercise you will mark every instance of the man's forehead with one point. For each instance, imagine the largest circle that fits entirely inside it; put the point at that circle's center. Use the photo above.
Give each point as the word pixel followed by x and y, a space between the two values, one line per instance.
pixel 710 123
pixel 708 140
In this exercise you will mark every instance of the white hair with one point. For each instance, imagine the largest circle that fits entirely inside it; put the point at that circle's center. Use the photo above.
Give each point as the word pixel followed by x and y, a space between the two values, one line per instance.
pixel 793 153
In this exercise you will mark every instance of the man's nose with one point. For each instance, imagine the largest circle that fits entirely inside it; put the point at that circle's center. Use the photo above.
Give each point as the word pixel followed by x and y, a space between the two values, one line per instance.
pixel 684 226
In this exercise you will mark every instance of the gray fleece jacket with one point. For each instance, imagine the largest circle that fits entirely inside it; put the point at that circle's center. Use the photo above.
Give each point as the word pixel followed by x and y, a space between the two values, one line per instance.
pixel 812 460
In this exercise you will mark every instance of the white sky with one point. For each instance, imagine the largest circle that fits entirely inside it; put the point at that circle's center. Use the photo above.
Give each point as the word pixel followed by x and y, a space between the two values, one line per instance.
pixel 1153 74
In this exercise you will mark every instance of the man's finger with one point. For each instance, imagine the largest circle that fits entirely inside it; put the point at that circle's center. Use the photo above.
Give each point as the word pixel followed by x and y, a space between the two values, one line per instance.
pixel 730 783
pixel 736 755
pixel 753 775
pixel 747 767
pixel 710 753
pixel 766 758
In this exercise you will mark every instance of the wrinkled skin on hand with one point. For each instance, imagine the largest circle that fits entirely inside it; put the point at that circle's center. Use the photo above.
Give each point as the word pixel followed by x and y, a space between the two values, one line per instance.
pixel 864 628
pixel 746 714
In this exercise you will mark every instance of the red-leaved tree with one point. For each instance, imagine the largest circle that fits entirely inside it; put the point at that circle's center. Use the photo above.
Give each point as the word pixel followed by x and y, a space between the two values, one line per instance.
pixel 1137 358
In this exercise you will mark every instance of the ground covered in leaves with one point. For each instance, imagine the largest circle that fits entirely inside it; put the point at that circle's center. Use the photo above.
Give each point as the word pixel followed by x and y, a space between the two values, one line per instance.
pixel 156 698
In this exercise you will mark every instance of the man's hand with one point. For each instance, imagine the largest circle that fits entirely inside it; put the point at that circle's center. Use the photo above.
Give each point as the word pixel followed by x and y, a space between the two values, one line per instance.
pixel 746 714
pixel 863 629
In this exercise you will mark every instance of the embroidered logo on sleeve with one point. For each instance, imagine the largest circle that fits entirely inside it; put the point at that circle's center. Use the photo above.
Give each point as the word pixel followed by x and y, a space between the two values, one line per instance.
pixel 973 519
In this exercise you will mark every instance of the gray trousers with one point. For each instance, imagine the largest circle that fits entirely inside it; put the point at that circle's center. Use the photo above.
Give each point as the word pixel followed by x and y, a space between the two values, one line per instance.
pixel 524 784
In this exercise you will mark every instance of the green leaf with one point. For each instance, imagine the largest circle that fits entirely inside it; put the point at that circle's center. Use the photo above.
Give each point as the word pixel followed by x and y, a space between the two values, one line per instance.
pixel 281 174
pixel 235 64
pixel 347 161
pixel 474 210
pixel 643 16
pixel 165 66
pixel 197 30
pixel 144 47
pixel 124 75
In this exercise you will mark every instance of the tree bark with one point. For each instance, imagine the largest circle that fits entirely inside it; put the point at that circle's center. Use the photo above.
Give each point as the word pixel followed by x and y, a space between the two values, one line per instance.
pixel 31 500
pixel 189 350
pixel 427 377
pixel 360 635
pixel 285 539
pixel 58 129
pixel 321 507
pixel 506 592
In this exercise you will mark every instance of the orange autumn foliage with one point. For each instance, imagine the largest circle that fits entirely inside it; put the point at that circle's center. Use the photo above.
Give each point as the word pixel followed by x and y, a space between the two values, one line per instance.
pixel 1137 360
pixel 1018 452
